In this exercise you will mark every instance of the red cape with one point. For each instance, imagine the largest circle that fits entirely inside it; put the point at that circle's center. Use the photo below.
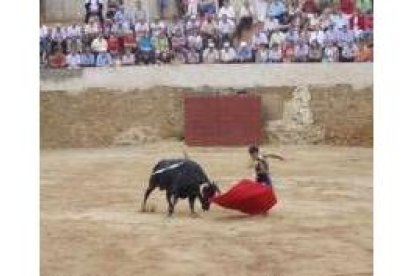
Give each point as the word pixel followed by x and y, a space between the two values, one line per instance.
pixel 249 197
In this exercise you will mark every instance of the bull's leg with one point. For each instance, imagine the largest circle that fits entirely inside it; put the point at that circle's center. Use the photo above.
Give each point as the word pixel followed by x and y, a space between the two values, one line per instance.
pixel 147 193
pixel 172 200
pixel 191 200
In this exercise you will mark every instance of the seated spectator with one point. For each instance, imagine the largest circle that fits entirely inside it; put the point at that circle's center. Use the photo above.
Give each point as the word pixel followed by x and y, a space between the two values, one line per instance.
pixel 99 45
pixel 128 58
pixel 277 37
pixel 162 48
pixel 113 45
pixel 330 53
pixel 331 35
pixel 339 20
pixel 73 38
pixel 259 38
pixel 192 7
pixel 345 36
pixel 107 28
pixel 58 59
pixel 94 7
pixel 317 35
pixel 349 52
pixel 87 58
pixel 244 52
pixel 262 54
pixel 228 11
pixel 365 53
pixel 288 51
pixel 111 8
pixel 292 36
pixel 271 25
pixel 301 51
pixel 193 57
pixel 315 52
pixel 120 16
pixel 275 53
pixel 141 27
pixel 178 41
pixel 157 27
pixel 226 29
pixel 93 28
pixel 347 7
pixel 59 38
pixel 277 9
pixel 146 49
pixel 193 25
pixel 309 7
pixel 176 25
pixel 129 41
pixel 45 44
pixel 73 60
pixel 208 30
pixel 194 40
pixel 162 7
pixel 364 6
pixel 207 7
pixel 227 54
pixel 103 59
pixel 211 55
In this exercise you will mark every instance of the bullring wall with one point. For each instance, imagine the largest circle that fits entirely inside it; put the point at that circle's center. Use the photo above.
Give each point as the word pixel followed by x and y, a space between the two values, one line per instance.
pixel 103 107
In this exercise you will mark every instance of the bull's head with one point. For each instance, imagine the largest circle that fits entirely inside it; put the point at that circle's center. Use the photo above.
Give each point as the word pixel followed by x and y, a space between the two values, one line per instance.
pixel 208 191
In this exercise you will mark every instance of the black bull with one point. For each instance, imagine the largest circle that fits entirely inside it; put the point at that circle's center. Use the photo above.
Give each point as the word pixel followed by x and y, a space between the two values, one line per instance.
pixel 181 178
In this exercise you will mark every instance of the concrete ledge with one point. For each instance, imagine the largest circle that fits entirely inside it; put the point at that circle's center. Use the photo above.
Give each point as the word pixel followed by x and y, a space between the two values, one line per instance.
pixel 359 75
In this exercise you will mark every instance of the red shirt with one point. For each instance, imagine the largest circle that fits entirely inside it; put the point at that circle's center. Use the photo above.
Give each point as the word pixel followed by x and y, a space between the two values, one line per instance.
pixel 347 6
pixel 129 40
pixel 309 6
pixel 58 60
pixel 113 44
pixel 364 22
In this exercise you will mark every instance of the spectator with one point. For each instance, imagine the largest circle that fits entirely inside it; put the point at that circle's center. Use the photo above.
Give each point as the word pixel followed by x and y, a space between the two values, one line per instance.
pixel 271 25
pixel 193 57
pixel 348 52
pixel 288 51
pixel 58 59
pixel 194 40
pixel 128 58
pixel 181 7
pixel 103 59
pixel 87 58
pixel 331 53
pixel 301 51
pixel 262 54
pixel 162 7
pixel 157 27
pixel 207 7
pixel 59 38
pixel 228 11
pixel 318 35
pixel 99 45
pixel 45 44
pixel 120 15
pixel 146 50
pixel 277 37
pixel 192 7
pixel 261 9
pixel 112 7
pixel 226 29
pixel 177 25
pixel 365 6
pixel 315 52
pixel 162 48
pixel 245 52
pixel 73 38
pixel 211 55
pixel 73 60
pixel 208 30
pixel 259 38
pixel 277 9
pixel 136 13
pixel 141 28
pixel 193 25
pixel 227 54
pixel 113 45
pixel 345 36
pixel 178 41
pixel 275 53
pixel 94 7
pixel 93 28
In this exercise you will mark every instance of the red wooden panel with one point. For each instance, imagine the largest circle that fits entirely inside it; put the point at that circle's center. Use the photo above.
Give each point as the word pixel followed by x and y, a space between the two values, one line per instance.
pixel 222 120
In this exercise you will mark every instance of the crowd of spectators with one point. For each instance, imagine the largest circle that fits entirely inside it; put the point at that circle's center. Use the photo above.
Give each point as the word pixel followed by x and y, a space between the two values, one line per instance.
pixel 209 31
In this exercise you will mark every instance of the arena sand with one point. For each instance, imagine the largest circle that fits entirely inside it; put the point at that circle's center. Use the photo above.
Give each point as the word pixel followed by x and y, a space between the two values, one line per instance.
pixel 91 224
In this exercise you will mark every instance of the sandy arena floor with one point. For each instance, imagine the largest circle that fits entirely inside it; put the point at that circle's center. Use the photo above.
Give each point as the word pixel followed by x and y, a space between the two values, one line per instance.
pixel 91 226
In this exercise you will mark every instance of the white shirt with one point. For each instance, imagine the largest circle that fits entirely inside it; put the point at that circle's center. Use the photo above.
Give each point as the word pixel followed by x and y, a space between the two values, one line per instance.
pixel 260 38
pixel 73 60
pixel 227 56
pixel 99 45
pixel 43 31
pixel 229 11
pixel 73 31
pixel 226 27
pixel 141 28
pixel 318 36
pixel 157 28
